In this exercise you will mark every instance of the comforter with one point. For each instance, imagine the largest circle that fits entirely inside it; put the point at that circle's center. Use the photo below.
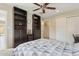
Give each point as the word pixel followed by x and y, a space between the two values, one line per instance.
pixel 46 47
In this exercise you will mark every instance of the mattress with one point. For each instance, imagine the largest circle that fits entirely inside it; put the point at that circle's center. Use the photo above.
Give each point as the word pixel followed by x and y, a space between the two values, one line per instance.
pixel 46 47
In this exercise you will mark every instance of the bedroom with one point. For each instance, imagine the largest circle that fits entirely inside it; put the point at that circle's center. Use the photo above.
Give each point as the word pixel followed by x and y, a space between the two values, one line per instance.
pixel 59 25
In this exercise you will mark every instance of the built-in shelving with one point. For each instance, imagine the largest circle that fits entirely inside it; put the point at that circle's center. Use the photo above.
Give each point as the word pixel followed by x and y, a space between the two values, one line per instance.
pixel 20 26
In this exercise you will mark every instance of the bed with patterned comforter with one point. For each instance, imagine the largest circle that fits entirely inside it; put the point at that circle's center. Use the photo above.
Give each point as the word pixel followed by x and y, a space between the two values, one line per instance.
pixel 44 47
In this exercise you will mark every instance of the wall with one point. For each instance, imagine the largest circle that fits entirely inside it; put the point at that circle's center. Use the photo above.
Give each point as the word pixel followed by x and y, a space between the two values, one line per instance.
pixel 64 31
pixel 9 29
pixel 52 28
pixel 29 22
pixel 60 28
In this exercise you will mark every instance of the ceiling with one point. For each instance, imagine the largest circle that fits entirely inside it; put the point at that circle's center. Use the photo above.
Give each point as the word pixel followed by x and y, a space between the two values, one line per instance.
pixel 60 8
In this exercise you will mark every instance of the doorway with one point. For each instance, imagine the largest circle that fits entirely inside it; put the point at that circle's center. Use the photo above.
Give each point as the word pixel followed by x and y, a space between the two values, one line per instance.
pixel 46 30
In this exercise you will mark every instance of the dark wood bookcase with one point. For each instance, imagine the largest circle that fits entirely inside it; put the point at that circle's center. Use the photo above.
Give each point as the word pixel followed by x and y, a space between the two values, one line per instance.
pixel 36 26
pixel 20 26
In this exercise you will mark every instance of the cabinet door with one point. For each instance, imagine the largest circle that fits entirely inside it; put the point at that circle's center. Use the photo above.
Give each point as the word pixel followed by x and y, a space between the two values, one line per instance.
pixel 20 32
pixel 17 35
pixel 23 35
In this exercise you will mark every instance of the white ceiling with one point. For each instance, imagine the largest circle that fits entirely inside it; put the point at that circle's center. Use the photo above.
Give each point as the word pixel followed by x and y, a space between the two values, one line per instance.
pixel 60 8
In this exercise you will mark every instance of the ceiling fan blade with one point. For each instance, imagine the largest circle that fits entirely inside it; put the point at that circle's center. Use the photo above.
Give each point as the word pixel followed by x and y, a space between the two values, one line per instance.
pixel 36 9
pixel 37 4
pixel 46 3
pixel 51 8
pixel 43 11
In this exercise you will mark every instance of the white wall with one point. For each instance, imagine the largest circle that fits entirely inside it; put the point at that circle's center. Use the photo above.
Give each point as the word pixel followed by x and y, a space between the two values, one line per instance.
pixel 52 28
pixel 65 26
pixel 73 24
pixel 62 27
pixel 29 22
pixel 72 27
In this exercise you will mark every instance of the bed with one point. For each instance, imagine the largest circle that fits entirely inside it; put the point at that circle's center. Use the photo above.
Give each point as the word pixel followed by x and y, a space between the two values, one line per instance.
pixel 46 47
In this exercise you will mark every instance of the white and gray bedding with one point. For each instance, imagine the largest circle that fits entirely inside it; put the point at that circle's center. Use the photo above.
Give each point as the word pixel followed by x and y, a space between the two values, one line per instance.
pixel 46 47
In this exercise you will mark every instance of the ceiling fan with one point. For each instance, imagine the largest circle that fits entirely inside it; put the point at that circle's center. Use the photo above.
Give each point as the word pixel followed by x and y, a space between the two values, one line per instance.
pixel 44 7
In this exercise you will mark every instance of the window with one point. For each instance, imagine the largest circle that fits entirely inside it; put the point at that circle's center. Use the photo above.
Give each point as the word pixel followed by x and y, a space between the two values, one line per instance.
pixel 2 22
pixel 3 29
